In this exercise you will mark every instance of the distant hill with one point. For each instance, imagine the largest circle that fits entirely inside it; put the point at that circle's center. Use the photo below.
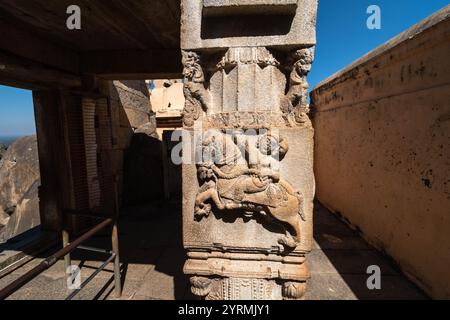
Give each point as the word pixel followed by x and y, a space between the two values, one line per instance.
pixel 8 140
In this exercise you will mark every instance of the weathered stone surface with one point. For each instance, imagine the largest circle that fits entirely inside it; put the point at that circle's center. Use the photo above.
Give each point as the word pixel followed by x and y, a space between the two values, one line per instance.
pixel 137 150
pixel 134 98
pixel 19 182
pixel 234 230
pixel 167 98
pixel 246 7
pixel 382 149
pixel 142 167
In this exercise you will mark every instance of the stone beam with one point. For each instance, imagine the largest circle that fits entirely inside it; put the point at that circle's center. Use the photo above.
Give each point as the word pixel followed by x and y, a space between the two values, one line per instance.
pixel 28 74
pixel 219 24
pixel 133 64
pixel 23 43
pixel 245 7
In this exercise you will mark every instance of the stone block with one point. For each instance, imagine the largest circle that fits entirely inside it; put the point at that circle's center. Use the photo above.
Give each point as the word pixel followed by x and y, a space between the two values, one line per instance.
pixel 214 24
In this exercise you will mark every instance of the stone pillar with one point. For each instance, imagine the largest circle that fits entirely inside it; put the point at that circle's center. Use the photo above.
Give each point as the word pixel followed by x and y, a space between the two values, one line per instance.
pixel 247 209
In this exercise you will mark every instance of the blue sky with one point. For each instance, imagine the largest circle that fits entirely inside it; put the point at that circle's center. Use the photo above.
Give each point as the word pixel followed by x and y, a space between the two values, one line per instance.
pixel 342 37
pixel 16 112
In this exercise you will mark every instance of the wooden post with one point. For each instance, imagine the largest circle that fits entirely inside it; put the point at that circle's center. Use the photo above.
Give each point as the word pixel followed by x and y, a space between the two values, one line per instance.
pixel 115 245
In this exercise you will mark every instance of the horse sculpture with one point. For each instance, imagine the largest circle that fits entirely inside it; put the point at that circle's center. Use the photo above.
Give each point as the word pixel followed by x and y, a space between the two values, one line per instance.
pixel 248 179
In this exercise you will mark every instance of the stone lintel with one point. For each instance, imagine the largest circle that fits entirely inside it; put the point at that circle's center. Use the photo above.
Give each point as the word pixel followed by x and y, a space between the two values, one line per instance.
pixel 248 7
pixel 219 24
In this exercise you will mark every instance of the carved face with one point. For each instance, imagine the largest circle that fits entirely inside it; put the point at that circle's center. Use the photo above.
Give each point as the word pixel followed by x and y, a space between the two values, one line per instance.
pixel 274 146
pixel 192 70
pixel 305 59
pixel 188 71
pixel 205 173
pixel 211 150
pixel 302 68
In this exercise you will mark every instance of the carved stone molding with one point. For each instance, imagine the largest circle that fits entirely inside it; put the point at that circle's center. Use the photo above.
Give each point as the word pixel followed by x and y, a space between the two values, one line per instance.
pixel 234 288
pixel 247 55
pixel 240 289
pixel 249 120
pixel 260 101
pixel 246 276
pixel 244 288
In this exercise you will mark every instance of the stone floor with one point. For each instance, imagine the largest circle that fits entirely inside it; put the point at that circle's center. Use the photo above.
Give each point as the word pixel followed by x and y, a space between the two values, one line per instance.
pixel 152 258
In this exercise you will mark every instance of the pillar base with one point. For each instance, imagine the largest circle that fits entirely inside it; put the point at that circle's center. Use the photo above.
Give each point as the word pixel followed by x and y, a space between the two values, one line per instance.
pixel 243 276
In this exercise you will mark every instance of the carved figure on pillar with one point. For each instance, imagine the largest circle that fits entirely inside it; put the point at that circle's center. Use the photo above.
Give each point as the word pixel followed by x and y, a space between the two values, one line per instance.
pixel 294 104
pixel 248 201
pixel 197 97
pixel 232 181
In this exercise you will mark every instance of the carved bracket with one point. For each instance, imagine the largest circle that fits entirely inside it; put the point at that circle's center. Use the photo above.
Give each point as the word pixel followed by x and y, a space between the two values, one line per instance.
pixel 294 104
pixel 200 286
pixel 292 290
pixel 197 96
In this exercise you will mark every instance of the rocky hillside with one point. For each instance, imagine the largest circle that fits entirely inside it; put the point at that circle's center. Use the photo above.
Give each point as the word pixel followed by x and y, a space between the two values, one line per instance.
pixel 19 181
pixel 2 150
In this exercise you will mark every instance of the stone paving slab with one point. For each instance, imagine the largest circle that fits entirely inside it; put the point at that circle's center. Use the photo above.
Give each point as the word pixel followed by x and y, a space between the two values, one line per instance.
pixel 347 262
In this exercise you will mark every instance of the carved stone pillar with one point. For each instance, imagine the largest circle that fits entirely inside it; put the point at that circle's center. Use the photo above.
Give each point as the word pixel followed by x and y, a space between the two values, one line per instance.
pixel 248 197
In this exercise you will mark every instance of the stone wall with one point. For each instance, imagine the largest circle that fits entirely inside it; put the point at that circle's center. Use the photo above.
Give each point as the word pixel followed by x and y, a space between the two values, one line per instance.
pixel 138 149
pixel 132 101
pixel 383 147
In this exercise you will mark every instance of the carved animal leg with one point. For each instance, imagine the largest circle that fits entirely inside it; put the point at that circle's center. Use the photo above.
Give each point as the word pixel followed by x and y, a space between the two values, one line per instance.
pixel 216 199
pixel 202 209
pixel 290 216
pixel 287 241
pixel 294 222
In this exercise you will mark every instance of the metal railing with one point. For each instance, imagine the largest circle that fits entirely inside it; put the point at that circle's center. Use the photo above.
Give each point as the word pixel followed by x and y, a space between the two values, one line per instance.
pixel 65 252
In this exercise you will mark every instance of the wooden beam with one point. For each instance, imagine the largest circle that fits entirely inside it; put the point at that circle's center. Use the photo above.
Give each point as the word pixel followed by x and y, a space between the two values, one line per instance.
pixel 29 74
pixel 133 64
pixel 50 148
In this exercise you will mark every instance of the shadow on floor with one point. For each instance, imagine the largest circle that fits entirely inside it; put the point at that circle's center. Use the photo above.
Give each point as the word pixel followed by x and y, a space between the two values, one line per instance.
pixel 339 262
pixel 152 259
pixel 151 252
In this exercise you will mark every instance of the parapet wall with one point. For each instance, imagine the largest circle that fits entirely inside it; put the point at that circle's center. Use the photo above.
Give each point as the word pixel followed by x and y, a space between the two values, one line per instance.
pixel 382 149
